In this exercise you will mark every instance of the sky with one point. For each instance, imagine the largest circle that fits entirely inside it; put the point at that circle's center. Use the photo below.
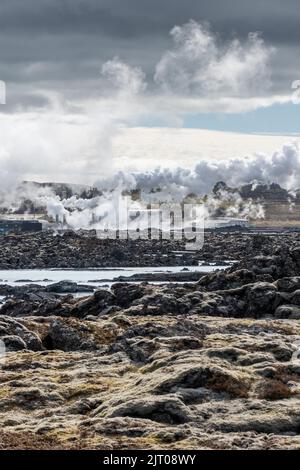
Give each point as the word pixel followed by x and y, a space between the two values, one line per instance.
pixel 95 86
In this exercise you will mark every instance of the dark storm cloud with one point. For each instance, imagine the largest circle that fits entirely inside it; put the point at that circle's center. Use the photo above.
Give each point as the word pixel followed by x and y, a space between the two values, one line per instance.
pixel 137 18
pixel 54 43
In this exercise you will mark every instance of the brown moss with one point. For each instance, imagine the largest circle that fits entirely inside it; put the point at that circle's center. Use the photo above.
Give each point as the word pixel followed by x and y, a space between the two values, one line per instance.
pixel 235 387
pixel 83 390
pixel 272 389
pixel 30 441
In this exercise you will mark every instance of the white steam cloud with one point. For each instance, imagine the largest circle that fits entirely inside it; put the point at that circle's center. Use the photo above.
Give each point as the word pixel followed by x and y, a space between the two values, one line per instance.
pixel 122 77
pixel 199 65
pixel 179 185
pixel 165 185
pixel 65 143
pixel 283 167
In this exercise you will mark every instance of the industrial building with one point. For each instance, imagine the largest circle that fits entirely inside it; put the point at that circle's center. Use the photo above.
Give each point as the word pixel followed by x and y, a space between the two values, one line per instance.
pixel 19 226
pixel 220 223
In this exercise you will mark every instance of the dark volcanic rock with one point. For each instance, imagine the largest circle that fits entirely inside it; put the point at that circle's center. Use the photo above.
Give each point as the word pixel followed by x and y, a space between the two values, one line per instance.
pixel 162 277
pixel 227 280
pixel 288 311
pixel 74 250
pixel 125 294
pixel 282 263
pixel 67 338
pixel 39 305
pixel 16 336
pixel 68 287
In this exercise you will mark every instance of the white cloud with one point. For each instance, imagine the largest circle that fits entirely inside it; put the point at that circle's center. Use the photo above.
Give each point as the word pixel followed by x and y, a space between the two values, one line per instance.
pixel 200 74
pixel 200 65
pixel 122 77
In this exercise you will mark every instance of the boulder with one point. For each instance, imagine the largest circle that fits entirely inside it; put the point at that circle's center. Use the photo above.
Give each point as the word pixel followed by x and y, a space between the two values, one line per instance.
pixel 17 336
pixel 261 299
pixel 288 311
pixel 68 287
pixel 165 409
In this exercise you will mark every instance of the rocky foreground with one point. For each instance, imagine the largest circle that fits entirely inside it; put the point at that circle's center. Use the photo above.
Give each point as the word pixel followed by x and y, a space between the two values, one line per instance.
pixel 46 250
pixel 206 365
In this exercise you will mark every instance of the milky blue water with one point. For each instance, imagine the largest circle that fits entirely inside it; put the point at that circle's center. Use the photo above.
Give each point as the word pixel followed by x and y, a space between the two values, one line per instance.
pixel 94 277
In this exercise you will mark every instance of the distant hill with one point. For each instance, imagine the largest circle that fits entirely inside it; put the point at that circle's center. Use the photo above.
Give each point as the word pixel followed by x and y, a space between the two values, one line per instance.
pixel 66 190
pixel 265 192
